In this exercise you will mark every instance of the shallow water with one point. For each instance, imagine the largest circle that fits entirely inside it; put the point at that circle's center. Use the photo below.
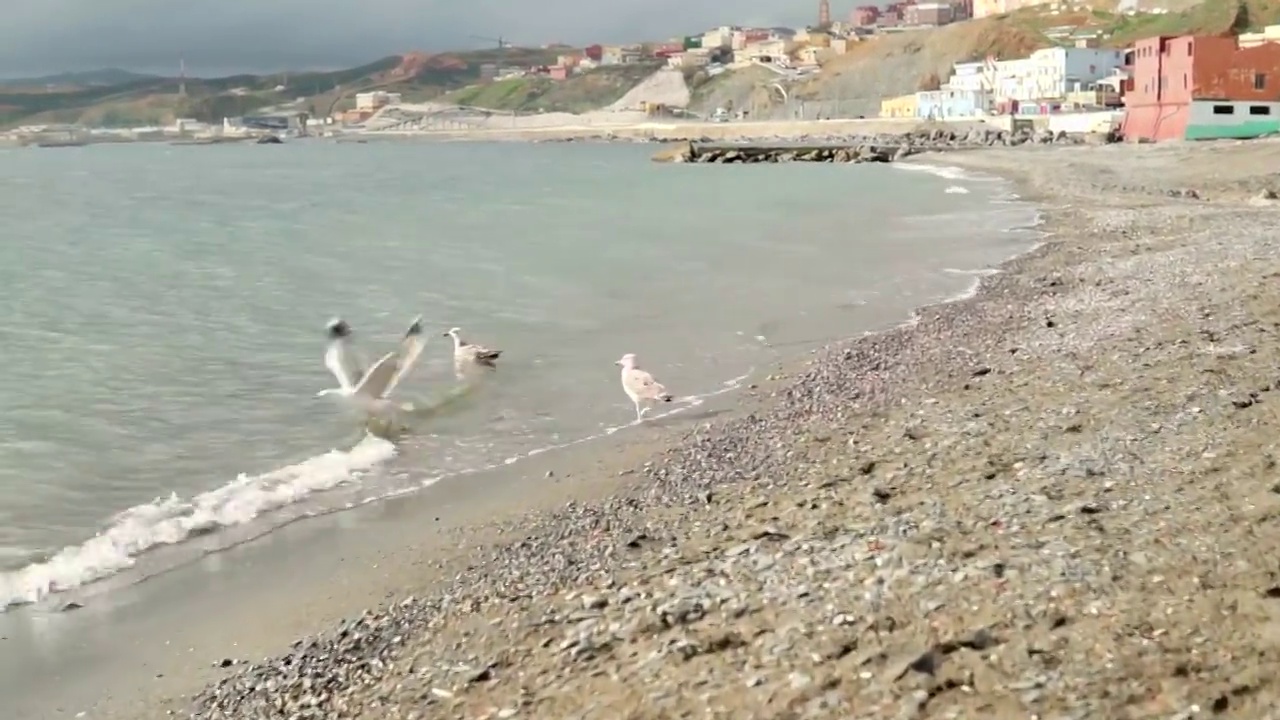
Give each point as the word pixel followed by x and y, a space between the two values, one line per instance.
pixel 167 307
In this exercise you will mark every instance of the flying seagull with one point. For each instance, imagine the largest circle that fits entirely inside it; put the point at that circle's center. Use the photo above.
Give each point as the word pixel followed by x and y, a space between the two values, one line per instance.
pixel 640 386
pixel 467 356
pixel 369 390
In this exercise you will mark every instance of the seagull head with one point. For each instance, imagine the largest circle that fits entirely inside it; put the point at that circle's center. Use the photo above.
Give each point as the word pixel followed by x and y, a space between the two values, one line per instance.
pixel 627 361
pixel 338 328
pixel 453 332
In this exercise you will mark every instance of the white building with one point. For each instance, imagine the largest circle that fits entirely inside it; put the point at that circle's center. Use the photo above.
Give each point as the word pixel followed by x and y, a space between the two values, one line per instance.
pixel 696 57
pixel 376 99
pixel 1048 74
pixel 721 37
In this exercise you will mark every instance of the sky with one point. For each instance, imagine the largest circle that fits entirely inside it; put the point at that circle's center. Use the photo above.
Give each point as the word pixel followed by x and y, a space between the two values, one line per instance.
pixel 221 37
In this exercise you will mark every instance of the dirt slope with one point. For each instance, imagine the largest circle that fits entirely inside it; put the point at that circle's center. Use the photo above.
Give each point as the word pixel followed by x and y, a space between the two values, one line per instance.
pixel 896 64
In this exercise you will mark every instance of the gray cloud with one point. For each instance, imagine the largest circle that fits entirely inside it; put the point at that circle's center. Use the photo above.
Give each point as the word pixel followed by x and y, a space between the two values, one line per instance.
pixel 225 36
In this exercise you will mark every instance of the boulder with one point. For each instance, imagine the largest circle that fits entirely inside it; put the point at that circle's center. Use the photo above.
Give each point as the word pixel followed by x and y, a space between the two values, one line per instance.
pixel 679 152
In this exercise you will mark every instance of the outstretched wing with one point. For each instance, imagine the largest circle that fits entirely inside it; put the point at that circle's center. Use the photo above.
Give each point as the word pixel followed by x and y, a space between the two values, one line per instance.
pixel 377 382
pixel 410 349
pixel 341 357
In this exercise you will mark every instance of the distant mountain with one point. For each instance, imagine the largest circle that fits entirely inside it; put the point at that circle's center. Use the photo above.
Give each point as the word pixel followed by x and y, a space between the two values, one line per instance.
pixel 106 77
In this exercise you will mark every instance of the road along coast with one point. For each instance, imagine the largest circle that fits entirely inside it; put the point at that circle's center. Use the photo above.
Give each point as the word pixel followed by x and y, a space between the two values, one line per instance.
pixel 1056 498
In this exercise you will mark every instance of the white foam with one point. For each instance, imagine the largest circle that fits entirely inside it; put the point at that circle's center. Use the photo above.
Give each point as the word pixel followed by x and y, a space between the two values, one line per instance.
pixel 956 190
pixel 981 272
pixel 947 172
pixel 167 521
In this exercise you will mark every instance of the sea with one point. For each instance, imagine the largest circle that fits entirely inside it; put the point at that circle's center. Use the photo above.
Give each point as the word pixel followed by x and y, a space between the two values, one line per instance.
pixel 166 308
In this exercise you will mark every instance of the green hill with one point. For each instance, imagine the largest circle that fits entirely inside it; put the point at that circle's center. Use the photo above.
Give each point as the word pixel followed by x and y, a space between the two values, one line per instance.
pixel 146 100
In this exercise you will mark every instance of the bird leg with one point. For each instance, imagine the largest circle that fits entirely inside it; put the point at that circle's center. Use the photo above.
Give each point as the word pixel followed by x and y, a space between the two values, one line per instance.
pixel 639 412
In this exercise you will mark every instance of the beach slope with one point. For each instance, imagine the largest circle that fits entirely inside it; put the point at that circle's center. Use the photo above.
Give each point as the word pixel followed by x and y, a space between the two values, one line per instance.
pixel 1057 498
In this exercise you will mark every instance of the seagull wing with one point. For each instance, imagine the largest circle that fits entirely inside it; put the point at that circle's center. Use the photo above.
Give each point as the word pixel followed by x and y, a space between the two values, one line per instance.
pixel 343 362
pixel 377 382
pixel 411 348
pixel 643 385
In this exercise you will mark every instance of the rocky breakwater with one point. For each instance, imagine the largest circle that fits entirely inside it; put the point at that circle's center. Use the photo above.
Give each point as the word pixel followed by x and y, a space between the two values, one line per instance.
pixel 861 149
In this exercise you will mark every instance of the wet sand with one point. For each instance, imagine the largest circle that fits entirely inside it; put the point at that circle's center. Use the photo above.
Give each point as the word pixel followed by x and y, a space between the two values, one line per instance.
pixel 1056 498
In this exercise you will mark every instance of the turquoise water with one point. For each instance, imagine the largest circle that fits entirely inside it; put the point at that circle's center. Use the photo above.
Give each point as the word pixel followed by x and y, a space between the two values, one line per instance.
pixel 167 307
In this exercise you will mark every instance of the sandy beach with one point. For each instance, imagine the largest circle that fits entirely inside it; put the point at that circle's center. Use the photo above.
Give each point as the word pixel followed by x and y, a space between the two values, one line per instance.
pixel 1054 499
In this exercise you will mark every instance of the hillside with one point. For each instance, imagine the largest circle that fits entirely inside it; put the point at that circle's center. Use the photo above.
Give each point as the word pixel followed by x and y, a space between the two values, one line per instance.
pixel 148 100
pixel 892 65
pixel 590 90
pixel 76 80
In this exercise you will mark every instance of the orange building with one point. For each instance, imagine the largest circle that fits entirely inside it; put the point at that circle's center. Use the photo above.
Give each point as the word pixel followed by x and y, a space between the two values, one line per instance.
pixel 1197 87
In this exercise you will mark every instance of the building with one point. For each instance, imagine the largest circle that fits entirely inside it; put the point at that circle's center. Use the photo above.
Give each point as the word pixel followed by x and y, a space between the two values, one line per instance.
pixel 816 38
pixel 1201 87
pixel 721 37
pixel 667 49
pixel 927 13
pixel 864 16
pixel 1050 73
pixel 903 106
pixel 950 103
pixel 698 57
pixel 1270 33
pixel 620 55
pixel 776 52
pixel 594 52
pixel 559 72
pixel 376 99
pixel 748 36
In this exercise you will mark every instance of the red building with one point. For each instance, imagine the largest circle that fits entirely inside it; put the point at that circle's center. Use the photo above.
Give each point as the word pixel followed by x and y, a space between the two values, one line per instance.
pixel 864 15
pixel 595 52
pixel 1198 87
pixel 666 50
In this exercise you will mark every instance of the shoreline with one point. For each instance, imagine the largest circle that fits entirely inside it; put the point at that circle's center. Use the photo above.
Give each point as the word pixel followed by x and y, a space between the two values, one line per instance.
pixel 184 621
pixel 614 513
pixel 1039 499
pixel 915 524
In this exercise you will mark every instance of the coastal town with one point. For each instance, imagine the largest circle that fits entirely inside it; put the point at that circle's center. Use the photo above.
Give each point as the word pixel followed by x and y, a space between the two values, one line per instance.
pixel 1087 78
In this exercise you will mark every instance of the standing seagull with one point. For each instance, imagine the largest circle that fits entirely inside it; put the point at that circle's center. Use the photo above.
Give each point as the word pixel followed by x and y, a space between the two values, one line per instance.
pixel 467 355
pixel 369 390
pixel 640 386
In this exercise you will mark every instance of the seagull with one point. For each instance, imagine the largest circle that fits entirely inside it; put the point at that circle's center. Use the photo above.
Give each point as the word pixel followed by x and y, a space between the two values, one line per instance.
pixel 640 386
pixel 369 390
pixel 467 355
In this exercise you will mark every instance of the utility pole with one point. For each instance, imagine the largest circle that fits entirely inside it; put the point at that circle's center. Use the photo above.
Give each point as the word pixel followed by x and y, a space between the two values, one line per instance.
pixel 182 77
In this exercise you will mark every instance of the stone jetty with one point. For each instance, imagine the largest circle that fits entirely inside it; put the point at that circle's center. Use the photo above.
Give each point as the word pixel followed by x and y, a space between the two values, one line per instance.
pixel 862 149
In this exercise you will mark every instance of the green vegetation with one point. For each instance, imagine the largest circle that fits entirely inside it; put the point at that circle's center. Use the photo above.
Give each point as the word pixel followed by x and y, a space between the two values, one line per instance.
pixel 1211 17
pixel 146 100
pixel 590 90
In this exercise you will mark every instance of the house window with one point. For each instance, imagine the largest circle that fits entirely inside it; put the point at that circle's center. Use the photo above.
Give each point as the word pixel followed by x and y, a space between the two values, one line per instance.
pixel 1259 81
pixel 1188 47
pixel 1224 110
pixel 1259 109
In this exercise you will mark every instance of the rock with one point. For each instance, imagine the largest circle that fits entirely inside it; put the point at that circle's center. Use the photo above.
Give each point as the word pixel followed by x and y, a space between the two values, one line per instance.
pixel 679 152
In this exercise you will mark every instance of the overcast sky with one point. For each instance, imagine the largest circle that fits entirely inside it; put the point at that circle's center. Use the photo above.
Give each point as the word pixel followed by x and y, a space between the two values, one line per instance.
pixel 219 37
